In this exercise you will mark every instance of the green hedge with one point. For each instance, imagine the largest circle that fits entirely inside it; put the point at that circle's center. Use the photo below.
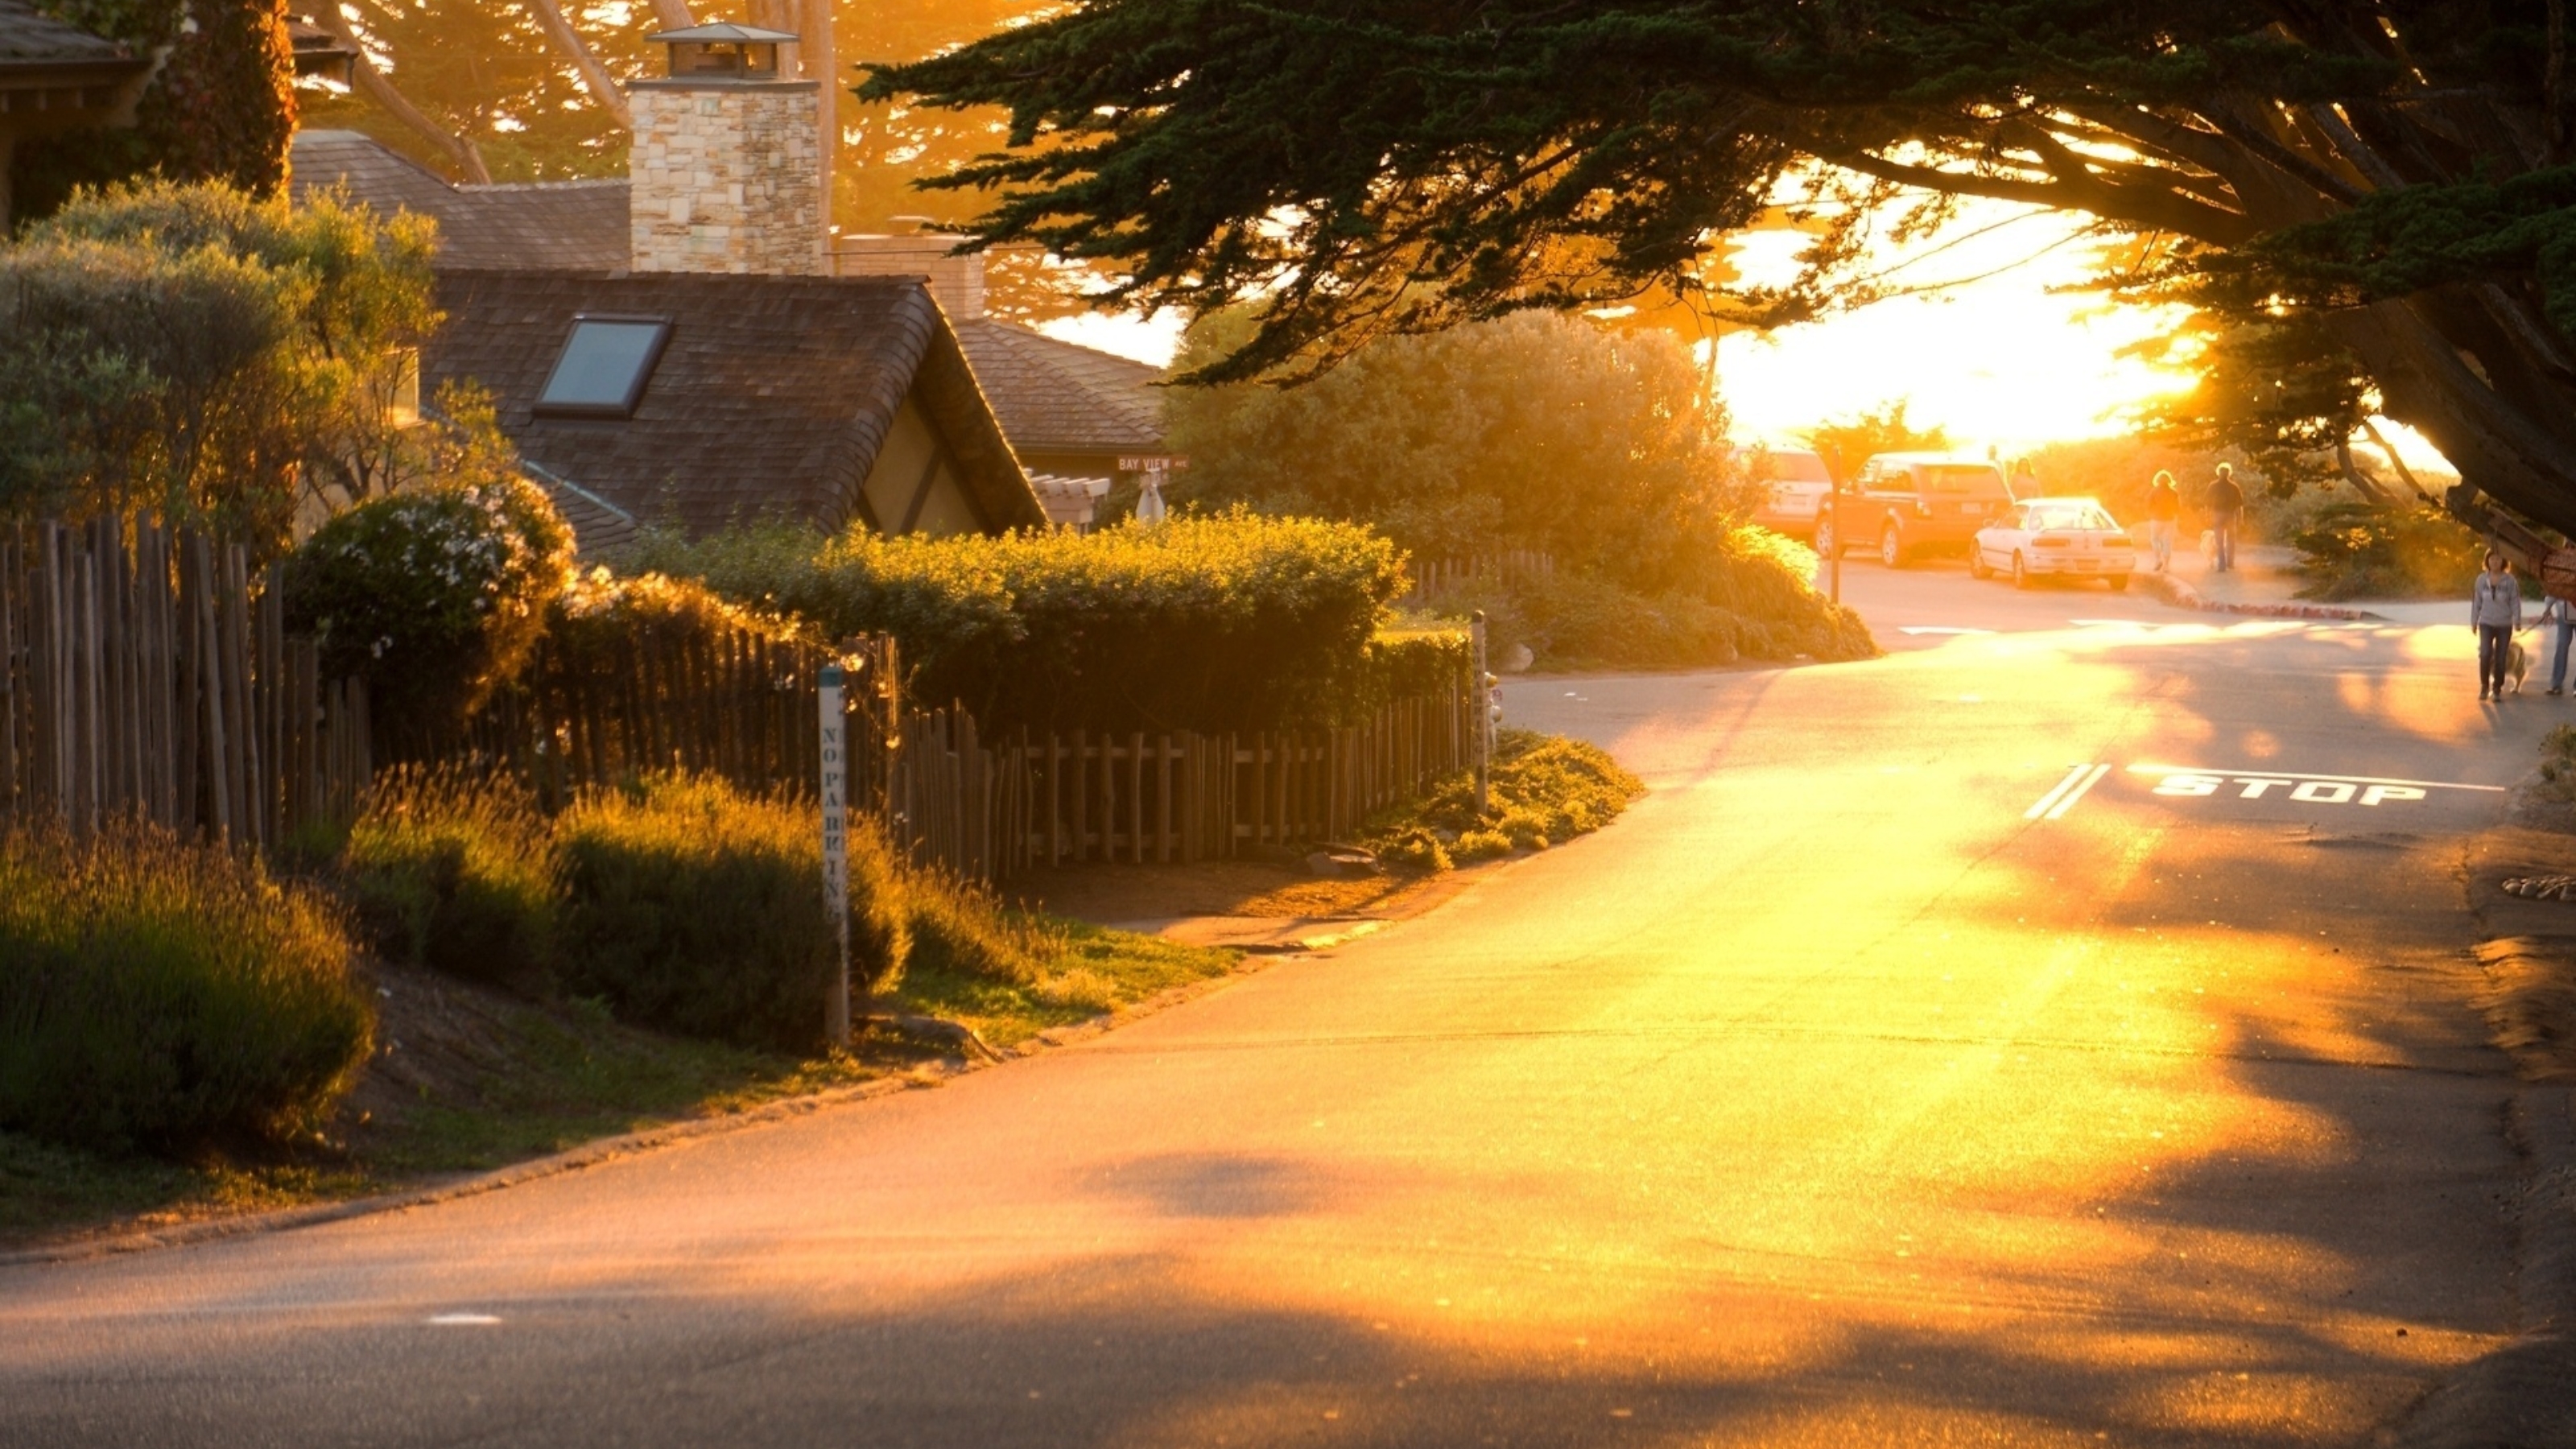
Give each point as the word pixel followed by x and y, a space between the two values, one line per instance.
pixel 166 994
pixel 698 909
pixel 1205 624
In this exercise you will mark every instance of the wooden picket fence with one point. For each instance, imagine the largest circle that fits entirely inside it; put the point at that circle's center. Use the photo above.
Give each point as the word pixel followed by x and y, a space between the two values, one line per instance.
pixel 145 673
pixel 736 703
pixel 1437 578
pixel 992 810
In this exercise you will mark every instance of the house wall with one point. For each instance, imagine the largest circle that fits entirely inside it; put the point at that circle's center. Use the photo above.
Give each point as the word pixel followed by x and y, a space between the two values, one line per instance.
pixel 915 486
pixel 726 178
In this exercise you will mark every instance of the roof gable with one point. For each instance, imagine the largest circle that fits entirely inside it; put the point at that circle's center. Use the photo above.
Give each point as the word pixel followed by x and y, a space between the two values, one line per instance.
pixel 27 37
pixel 550 226
pixel 1060 397
pixel 773 395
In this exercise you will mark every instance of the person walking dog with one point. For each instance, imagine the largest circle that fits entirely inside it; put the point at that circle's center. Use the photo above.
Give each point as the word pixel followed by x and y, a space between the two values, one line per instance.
pixel 2226 505
pixel 2495 612
pixel 2164 514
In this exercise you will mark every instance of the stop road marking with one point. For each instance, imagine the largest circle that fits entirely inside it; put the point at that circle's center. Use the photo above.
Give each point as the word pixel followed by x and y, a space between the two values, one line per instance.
pixel 2190 782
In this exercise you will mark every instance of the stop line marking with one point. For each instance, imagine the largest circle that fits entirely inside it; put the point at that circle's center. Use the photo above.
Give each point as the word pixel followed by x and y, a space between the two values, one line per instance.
pixel 2194 782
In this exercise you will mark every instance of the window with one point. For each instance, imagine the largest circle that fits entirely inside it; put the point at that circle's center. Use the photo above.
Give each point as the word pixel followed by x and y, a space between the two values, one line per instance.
pixel 603 367
pixel 1968 478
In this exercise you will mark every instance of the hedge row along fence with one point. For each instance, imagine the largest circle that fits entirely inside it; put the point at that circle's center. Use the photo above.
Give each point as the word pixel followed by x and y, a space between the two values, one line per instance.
pixel 145 674
pixel 992 811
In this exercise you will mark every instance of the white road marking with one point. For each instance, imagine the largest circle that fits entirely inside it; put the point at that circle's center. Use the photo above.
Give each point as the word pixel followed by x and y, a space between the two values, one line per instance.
pixel 1938 629
pixel 463 1320
pixel 2290 777
pixel 2067 801
pixel 2075 776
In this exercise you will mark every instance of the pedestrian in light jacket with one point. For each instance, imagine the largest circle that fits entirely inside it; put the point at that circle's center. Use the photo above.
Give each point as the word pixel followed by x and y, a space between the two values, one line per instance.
pixel 2495 612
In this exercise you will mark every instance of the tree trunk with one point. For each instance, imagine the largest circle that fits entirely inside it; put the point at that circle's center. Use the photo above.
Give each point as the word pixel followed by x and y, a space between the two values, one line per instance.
pixel 594 76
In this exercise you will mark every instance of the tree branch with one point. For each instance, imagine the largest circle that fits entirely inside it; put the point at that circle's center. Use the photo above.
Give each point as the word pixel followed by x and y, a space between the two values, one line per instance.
pixel 594 76
pixel 2164 209
pixel 382 92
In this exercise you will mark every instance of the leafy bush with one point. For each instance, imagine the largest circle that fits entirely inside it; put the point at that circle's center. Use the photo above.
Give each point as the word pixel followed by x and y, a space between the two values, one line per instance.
pixel 959 928
pixel 591 625
pixel 1754 597
pixel 193 351
pixel 1206 624
pixel 455 870
pixel 2363 550
pixel 434 595
pixel 166 994
pixel 699 909
pixel 1541 790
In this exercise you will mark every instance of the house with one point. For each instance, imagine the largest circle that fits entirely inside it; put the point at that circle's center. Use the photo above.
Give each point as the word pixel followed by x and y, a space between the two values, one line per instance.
pixel 56 77
pixel 1072 415
pixel 674 349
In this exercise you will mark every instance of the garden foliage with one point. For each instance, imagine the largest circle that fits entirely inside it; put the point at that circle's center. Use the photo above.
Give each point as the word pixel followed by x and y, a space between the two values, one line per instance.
pixel 2352 550
pixel 194 352
pixel 698 909
pixel 1234 622
pixel 455 870
pixel 435 595
pixel 166 994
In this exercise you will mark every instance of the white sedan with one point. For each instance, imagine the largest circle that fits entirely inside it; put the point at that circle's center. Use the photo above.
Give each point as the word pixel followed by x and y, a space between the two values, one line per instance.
pixel 2044 537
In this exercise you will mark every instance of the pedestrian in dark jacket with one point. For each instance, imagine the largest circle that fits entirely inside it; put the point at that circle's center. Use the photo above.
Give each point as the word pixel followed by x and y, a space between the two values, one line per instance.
pixel 2226 504
pixel 2495 611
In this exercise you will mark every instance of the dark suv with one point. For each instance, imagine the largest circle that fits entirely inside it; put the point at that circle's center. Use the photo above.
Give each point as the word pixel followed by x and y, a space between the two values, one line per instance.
pixel 1909 504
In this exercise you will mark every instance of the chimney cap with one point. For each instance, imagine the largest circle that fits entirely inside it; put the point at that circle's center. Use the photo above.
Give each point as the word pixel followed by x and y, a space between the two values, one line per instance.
pixel 723 33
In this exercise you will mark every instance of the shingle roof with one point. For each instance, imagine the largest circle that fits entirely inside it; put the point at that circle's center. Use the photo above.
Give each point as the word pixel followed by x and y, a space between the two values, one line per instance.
pixel 773 396
pixel 29 38
pixel 553 226
pixel 1059 397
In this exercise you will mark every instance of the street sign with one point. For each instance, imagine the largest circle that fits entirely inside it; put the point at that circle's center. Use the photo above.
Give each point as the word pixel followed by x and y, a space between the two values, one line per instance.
pixel 1158 463
pixel 836 846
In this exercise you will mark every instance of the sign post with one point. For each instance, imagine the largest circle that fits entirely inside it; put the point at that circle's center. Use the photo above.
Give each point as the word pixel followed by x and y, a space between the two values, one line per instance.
pixel 836 847
pixel 1482 693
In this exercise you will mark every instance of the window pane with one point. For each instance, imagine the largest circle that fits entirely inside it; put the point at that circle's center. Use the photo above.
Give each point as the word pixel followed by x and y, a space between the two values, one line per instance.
pixel 602 364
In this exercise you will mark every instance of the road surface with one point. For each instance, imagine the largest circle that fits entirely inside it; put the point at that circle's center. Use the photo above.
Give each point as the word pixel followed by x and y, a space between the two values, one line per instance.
pixel 2050 1036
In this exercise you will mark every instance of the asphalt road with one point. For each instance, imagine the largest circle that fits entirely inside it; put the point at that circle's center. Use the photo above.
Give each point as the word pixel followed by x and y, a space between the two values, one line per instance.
pixel 2037 1037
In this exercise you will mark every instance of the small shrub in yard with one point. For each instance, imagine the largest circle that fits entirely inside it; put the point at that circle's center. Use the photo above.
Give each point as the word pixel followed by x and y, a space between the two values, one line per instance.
pixel 434 595
pixel 166 994
pixel 960 929
pixel 2366 550
pixel 698 909
pixel 455 870
pixel 1542 789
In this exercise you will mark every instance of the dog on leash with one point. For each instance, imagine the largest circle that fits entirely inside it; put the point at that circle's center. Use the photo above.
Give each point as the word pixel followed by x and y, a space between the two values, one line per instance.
pixel 2517 661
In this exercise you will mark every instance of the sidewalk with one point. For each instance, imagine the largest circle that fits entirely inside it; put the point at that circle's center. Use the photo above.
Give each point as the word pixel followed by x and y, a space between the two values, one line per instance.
pixel 2266 577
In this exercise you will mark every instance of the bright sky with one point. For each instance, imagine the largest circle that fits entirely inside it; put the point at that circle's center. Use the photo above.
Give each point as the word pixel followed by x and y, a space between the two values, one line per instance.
pixel 2010 357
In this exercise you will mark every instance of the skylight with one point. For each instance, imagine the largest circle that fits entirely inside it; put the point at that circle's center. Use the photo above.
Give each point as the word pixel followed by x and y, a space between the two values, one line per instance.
pixel 603 367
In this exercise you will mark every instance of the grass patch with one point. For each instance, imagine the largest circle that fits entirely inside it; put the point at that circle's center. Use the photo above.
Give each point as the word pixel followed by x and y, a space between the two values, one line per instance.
pixel 1088 970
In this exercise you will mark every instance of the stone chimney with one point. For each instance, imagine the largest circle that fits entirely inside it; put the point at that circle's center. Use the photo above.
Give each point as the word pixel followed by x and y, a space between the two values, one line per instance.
pixel 726 164
pixel 956 281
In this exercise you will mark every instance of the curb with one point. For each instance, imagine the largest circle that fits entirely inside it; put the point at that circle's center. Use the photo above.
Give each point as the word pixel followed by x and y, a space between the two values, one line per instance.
pixel 2183 596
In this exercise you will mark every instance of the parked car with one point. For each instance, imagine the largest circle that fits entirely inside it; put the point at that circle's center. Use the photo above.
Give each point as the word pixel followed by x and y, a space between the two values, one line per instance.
pixel 2062 537
pixel 1795 485
pixel 1911 504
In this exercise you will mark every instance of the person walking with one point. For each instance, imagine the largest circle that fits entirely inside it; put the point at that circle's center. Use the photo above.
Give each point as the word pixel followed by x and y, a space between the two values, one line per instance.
pixel 2226 505
pixel 2561 614
pixel 2495 612
pixel 2164 514
pixel 2025 480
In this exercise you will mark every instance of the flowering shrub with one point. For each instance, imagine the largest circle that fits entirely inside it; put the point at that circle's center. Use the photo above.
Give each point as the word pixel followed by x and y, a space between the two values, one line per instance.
pixel 599 613
pixel 433 595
